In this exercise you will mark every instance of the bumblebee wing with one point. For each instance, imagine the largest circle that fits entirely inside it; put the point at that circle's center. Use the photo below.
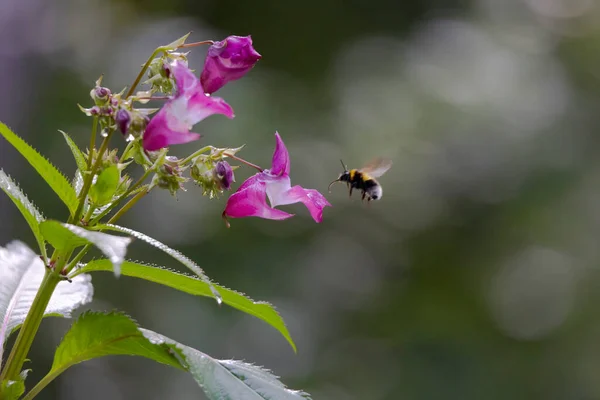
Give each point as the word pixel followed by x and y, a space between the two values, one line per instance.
pixel 377 167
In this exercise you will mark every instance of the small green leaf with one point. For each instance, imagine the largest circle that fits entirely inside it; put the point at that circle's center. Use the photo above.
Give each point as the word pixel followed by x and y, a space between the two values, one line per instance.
pixel 96 335
pixel 77 154
pixel 51 175
pixel 31 214
pixel 196 287
pixel 13 390
pixel 66 236
pixel 103 190
pixel 174 45
pixel 195 268
pixel 229 379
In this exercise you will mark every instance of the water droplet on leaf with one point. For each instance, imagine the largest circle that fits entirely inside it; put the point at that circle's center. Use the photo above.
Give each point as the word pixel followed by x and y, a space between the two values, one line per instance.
pixel 217 295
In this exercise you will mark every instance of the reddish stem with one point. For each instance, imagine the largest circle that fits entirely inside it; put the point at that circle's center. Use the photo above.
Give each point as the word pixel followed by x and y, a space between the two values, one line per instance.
pixel 195 44
pixel 248 163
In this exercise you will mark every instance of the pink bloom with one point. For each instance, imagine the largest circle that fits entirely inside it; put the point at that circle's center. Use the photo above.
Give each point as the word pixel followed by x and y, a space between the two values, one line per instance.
pixel 250 201
pixel 190 105
pixel 228 60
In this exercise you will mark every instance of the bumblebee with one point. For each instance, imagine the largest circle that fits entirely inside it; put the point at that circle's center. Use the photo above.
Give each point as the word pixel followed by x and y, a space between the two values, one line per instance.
pixel 364 179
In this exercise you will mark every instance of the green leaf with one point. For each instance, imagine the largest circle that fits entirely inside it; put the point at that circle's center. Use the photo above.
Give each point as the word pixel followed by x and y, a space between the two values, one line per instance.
pixel 13 390
pixel 97 334
pixel 103 190
pixel 51 175
pixel 60 237
pixel 229 379
pixel 195 268
pixel 66 236
pixel 31 214
pixel 21 274
pixel 196 287
pixel 77 154
pixel 175 44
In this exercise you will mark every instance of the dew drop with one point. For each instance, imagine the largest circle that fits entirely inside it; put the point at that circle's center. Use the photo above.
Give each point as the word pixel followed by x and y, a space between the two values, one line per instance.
pixel 217 295
pixel 104 132
pixel 129 138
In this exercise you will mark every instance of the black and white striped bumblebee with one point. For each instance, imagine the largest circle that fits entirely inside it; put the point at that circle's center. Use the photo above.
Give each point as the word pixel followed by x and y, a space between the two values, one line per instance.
pixel 363 179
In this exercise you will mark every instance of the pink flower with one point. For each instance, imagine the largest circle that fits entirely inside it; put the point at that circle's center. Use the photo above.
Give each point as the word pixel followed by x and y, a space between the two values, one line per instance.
pixel 190 105
pixel 228 60
pixel 250 201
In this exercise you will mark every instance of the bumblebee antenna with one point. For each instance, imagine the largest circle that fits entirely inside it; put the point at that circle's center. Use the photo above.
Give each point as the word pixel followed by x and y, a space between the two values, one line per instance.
pixel 343 165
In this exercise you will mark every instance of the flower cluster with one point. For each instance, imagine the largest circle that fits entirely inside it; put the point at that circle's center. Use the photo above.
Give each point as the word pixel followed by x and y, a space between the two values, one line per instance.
pixel 190 100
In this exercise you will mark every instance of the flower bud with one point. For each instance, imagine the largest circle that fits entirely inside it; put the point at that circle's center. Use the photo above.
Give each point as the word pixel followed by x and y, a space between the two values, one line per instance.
pixel 100 95
pixel 223 175
pixel 228 60
pixel 169 175
pixel 123 120
pixel 214 178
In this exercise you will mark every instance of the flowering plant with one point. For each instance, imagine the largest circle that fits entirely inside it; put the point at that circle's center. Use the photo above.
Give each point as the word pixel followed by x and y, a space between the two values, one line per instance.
pixel 57 282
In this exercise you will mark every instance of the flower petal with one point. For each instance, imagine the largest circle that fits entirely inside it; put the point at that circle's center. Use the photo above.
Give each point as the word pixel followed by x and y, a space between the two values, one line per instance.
pixel 201 106
pixel 172 123
pixel 250 201
pixel 184 78
pixel 164 130
pixel 311 198
pixel 228 60
pixel 280 164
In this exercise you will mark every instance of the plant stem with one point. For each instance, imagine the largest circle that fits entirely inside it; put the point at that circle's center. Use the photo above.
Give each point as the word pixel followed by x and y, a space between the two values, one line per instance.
pixel 122 158
pixel 127 206
pixel 20 349
pixel 248 163
pixel 123 196
pixel 43 383
pixel 195 154
pixel 143 70
pixel 73 263
pixel 76 259
pixel 92 142
pixel 87 183
pixel 196 44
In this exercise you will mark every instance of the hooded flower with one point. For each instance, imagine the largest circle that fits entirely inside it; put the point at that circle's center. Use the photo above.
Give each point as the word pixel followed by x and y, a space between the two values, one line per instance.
pixel 190 105
pixel 228 60
pixel 250 201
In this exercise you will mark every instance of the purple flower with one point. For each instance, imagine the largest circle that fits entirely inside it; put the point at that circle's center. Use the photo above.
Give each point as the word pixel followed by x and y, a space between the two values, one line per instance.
pixel 228 60
pixel 249 200
pixel 190 105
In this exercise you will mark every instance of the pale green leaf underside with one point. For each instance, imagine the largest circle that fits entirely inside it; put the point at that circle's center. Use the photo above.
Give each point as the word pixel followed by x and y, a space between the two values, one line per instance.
pixel 31 214
pixel 66 236
pixel 229 379
pixel 196 287
pixel 77 154
pixel 97 334
pixel 51 175
pixel 191 265
pixel 21 273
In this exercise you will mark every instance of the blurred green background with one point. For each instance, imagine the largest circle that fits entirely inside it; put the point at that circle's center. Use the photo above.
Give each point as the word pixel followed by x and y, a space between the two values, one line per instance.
pixel 475 277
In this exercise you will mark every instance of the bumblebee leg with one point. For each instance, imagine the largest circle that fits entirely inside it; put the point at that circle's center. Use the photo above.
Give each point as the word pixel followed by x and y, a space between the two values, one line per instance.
pixel 350 194
pixel 363 196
